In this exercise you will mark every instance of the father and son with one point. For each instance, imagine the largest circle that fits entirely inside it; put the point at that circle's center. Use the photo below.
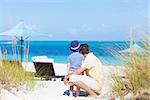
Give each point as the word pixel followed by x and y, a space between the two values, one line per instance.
pixel 83 70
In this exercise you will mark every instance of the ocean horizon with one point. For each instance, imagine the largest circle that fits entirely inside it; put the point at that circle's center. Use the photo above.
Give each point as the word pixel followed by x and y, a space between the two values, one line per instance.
pixel 59 50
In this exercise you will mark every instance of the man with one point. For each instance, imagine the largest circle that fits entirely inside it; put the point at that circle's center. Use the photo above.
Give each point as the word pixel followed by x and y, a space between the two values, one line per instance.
pixel 92 67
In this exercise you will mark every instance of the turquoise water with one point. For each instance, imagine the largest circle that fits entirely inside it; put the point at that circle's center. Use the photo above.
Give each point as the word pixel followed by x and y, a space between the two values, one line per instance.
pixel 59 50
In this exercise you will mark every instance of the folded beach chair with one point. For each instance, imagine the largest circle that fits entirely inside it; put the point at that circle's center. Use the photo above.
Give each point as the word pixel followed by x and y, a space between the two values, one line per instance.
pixel 44 67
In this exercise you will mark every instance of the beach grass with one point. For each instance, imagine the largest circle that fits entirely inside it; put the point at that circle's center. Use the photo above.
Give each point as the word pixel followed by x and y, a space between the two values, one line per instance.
pixel 13 75
pixel 137 79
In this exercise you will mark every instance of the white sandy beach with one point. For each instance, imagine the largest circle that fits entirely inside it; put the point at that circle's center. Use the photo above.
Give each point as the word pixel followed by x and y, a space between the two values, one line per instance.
pixel 53 90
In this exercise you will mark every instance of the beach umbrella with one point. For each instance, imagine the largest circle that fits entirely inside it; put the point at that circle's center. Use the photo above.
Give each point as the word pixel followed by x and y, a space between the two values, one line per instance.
pixel 21 32
pixel 135 48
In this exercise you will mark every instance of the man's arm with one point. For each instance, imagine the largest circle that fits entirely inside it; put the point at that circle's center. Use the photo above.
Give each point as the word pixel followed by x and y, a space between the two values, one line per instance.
pixel 79 71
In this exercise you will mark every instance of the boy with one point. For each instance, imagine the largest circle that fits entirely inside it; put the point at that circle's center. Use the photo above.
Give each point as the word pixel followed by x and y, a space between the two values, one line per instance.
pixel 74 60
pixel 92 66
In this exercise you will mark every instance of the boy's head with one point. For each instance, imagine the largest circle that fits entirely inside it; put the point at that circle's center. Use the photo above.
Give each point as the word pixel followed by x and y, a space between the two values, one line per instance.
pixel 84 49
pixel 74 46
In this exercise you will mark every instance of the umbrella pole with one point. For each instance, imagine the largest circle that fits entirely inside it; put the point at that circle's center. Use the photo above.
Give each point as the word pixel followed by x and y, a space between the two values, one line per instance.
pixel 21 52
pixel 131 40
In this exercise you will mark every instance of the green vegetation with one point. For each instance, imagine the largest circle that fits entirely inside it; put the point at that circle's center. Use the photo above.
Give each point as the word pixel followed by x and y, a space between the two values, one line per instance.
pixel 137 80
pixel 13 75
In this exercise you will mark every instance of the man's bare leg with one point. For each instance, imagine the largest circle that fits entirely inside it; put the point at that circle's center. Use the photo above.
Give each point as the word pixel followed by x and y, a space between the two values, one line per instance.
pixel 86 88
pixel 78 91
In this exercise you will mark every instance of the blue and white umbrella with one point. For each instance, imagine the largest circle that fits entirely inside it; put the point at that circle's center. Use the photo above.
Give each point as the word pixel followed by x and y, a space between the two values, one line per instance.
pixel 21 31
pixel 134 48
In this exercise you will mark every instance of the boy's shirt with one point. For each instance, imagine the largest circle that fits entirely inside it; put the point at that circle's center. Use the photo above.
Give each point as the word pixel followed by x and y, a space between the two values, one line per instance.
pixel 75 60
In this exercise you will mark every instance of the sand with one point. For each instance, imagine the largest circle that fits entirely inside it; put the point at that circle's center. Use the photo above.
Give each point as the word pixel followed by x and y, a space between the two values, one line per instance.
pixel 53 90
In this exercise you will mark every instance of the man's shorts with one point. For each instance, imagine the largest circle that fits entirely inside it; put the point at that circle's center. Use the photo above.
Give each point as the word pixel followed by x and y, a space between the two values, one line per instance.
pixel 91 83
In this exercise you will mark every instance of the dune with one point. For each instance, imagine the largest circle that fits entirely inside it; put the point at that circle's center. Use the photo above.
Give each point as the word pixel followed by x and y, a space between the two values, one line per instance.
pixel 53 90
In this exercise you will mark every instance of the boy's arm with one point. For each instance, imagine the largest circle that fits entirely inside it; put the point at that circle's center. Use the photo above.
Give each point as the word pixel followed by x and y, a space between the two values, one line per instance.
pixel 66 79
pixel 68 67
pixel 68 64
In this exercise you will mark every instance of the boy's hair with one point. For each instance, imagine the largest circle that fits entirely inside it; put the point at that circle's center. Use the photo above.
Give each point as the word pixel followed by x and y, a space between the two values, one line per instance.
pixel 84 49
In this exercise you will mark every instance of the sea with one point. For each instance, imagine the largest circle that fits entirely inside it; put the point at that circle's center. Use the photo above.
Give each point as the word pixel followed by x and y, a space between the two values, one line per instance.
pixel 106 51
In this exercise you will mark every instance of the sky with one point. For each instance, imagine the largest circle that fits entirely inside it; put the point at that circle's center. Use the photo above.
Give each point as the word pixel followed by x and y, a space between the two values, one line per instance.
pixel 91 20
